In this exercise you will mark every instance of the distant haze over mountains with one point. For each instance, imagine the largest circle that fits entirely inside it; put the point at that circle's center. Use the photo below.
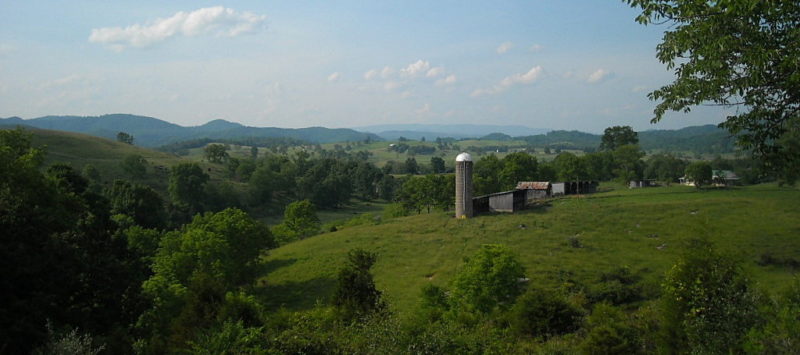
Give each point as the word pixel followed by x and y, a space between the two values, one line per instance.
pixel 153 132
pixel 431 131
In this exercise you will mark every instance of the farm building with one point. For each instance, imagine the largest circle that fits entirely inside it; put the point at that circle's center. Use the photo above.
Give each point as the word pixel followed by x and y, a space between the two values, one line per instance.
pixel 506 201
pixel 535 190
pixel 573 187
pixel 724 178
pixel 558 189
pixel 635 184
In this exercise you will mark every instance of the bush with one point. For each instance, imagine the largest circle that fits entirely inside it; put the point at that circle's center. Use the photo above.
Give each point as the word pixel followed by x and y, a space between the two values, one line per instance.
pixel 780 332
pixel 489 280
pixel 609 333
pixel 618 286
pixel 356 295
pixel 543 313
pixel 707 302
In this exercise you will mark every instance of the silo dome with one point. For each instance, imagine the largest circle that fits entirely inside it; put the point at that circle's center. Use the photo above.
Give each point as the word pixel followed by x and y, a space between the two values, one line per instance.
pixel 464 157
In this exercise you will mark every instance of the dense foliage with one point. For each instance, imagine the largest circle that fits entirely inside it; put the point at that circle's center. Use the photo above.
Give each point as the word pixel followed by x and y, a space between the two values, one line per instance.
pixel 739 54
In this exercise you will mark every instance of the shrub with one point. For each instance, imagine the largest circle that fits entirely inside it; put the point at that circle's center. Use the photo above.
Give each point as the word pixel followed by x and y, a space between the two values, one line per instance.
pixel 356 295
pixel 488 280
pixel 618 286
pixel 544 313
pixel 707 302
pixel 609 333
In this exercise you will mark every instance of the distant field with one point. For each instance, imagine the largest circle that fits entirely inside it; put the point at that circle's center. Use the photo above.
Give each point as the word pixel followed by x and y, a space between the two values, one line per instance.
pixel 642 229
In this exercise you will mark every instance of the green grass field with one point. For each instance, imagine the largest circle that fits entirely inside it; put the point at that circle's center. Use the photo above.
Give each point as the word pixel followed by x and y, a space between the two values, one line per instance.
pixel 642 229
pixel 78 150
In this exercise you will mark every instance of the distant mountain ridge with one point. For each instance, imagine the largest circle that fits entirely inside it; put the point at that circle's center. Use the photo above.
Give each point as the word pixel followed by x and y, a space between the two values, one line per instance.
pixel 431 131
pixel 153 132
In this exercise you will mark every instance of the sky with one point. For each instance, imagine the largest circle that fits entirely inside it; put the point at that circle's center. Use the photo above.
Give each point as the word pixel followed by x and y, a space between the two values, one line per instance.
pixel 575 65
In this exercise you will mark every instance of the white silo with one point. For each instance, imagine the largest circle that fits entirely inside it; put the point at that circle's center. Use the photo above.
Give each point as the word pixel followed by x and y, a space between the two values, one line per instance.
pixel 464 186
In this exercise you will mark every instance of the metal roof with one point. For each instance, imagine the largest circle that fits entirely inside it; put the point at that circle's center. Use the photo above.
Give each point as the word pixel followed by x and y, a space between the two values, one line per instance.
pixel 533 185
pixel 464 157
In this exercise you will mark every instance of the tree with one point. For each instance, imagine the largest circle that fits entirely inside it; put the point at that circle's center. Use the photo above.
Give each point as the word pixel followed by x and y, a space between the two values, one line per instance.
pixel 124 138
pixel 700 172
pixel 194 268
pixel 665 167
pixel 628 163
pixel 356 295
pixel 569 167
pixel 301 218
pixel 140 202
pixel 517 167
pixel 708 305
pixel 487 280
pixel 617 136
pixel 186 182
pixel 437 165
pixel 254 152
pixel 134 165
pixel 216 153
pixel 60 258
pixel 735 54
pixel 411 166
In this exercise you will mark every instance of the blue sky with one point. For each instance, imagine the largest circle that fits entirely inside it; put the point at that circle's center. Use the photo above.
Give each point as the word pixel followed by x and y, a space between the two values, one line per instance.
pixel 582 65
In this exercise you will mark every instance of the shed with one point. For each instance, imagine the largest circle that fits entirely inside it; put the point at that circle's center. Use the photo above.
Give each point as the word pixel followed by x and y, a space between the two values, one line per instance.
pixel 506 201
pixel 724 178
pixel 558 189
pixel 535 190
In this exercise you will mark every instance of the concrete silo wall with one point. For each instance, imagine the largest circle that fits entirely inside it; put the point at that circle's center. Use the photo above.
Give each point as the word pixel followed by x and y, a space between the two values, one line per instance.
pixel 464 189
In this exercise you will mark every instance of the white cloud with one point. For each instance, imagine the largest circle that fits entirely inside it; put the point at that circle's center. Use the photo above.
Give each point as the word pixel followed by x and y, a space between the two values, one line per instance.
pixel 218 21
pixel 334 77
pixel 504 47
pixel 450 79
pixel 535 48
pixel 434 72
pixel 598 76
pixel 371 74
pixel 420 66
pixel 406 94
pixel 509 81
pixel 639 88
pixel 387 72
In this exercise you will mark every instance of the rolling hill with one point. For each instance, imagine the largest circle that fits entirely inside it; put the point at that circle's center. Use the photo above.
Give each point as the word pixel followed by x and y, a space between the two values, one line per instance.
pixel 642 230
pixel 152 132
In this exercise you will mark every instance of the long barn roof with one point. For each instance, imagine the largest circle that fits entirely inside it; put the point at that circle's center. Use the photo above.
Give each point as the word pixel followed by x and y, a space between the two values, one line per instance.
pixel 533 185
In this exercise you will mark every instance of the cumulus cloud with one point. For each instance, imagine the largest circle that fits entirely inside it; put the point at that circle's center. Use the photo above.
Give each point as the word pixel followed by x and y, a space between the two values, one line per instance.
pixel 434 72
pixel 218 21
pixel 371 74
pixel 504 47
pixel 509 81
pixel 420 66
pixel 639 88
pixel 535 48
pixel 333 77
pixel 450 79
pixel 598 75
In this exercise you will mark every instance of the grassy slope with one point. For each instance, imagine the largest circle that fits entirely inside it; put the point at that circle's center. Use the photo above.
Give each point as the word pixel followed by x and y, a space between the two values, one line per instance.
pixel 78 150
pixel 617 228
